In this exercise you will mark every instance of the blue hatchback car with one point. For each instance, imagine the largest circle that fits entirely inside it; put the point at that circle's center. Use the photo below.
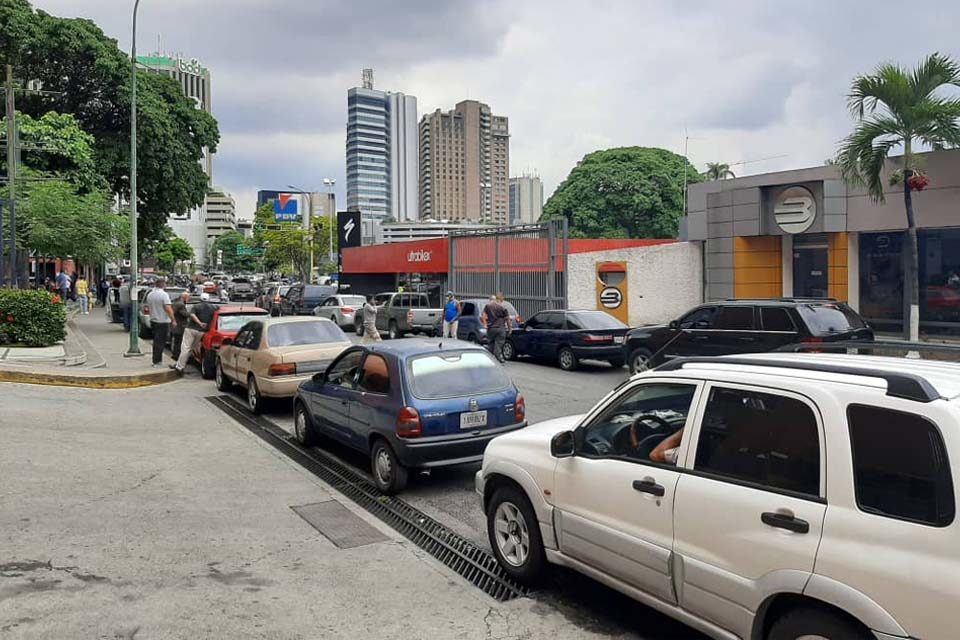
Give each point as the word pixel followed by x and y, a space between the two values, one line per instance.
pixel 410 404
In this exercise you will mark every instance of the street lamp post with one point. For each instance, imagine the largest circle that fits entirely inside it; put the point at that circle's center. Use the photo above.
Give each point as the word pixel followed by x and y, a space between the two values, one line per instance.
pixel 134 349
pixel 330 182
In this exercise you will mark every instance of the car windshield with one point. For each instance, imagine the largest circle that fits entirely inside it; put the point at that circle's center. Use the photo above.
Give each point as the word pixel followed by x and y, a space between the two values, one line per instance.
pixel 283 291
pixel 456 374
pixel 353 301
pixel 233 321
pixel 595 320
pixel 289 334
pixel 381 299
pixel 830 318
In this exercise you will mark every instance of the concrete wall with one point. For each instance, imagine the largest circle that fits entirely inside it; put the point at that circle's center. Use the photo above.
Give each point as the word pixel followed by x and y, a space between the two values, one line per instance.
pixel 664 280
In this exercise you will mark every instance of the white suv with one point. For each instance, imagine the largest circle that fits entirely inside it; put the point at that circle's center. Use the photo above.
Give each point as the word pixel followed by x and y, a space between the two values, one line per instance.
pixel 811 496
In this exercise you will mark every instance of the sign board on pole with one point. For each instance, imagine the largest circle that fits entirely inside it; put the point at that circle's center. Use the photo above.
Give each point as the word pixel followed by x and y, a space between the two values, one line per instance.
pixel 349 232
pixel 219 257
pixel 254 252
pixel 285 208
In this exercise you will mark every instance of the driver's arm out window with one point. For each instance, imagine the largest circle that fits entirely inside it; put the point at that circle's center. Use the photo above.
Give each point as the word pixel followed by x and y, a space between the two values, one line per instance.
pixel 639 421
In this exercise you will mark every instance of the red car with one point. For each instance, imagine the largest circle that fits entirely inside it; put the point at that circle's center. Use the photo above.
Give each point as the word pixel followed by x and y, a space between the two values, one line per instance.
pixel 226 323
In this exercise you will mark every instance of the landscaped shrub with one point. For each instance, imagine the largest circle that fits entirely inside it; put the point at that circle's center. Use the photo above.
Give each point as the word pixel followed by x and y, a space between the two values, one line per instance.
pixel 31 318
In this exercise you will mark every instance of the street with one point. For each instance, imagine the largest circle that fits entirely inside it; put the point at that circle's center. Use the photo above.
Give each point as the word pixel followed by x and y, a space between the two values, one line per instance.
pixel 106 536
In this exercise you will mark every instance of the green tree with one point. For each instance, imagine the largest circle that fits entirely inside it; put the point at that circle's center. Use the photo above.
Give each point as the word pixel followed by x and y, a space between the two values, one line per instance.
pixel 91 76
pixel 54 144
pixel 718 171
pixel 61 221
pixel 173 251
pixel 232 263
pixel 906 109
pixel 628 192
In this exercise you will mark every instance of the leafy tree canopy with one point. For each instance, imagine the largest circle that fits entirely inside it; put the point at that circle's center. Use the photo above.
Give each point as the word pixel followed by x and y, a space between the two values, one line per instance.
pixel 54 144
pixel 718 171
pixel 233 263
pixel 92 77
pixel 627 192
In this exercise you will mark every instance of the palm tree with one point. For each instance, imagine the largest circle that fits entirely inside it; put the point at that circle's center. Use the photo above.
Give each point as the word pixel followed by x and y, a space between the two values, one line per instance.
pixel 900 108
pixel 718 171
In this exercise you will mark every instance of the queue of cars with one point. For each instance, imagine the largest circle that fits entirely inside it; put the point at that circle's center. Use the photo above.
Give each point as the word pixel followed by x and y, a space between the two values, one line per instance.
pixel 656 490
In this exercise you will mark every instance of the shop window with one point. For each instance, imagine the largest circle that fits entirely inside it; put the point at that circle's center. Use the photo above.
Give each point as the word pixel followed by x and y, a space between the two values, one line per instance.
pixel 881 280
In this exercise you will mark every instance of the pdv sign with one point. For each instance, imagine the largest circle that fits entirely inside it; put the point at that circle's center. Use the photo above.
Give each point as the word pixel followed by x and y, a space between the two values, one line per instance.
pixel 285 208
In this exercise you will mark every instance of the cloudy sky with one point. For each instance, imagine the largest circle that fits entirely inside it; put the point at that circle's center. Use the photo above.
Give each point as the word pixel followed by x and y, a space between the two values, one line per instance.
pixel 759 82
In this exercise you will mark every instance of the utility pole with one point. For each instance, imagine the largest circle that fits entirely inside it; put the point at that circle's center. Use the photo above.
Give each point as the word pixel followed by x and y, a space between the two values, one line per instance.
pixel 12 176
pixel 134 349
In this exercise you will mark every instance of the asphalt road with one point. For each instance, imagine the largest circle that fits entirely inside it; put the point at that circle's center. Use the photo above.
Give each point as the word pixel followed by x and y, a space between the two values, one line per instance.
pixel 448 496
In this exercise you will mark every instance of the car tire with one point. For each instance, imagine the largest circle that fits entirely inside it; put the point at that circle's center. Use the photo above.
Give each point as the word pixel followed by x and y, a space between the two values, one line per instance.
pixel 514 535
pixel 359 329
pixel 333 319
pixel 616 363
pixel 509 352
pixel 224 383
pixel 567 359
pixel 388 474
pixel 639 360
pixel 394 331
pixel 208 364
pixel 812 622
pixel 473 338
pixel 255 401
pixel 303 426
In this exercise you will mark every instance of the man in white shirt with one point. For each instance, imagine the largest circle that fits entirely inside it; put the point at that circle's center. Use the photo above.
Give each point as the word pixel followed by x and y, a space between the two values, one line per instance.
pixel 161 319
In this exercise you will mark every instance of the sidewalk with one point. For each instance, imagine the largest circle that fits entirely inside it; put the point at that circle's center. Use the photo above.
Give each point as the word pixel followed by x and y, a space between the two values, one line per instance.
pixel 104 366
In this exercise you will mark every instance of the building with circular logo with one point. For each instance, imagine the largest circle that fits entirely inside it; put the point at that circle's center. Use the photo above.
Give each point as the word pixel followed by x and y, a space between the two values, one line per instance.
pixel 795 209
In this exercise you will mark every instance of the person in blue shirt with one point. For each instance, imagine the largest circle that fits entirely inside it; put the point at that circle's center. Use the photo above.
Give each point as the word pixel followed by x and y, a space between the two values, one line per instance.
pixel 451 316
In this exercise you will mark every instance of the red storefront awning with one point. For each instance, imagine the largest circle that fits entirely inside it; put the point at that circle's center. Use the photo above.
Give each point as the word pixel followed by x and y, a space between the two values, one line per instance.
pixel 415 256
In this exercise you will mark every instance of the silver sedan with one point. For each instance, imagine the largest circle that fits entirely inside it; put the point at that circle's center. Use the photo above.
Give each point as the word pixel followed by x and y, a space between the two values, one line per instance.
pixel 340 309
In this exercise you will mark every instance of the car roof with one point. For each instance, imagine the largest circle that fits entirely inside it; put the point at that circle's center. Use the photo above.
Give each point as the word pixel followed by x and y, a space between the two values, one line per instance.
pixel 224 310
pixel 770 302
pixel 409 347
pixel 941 378
pixel 293 319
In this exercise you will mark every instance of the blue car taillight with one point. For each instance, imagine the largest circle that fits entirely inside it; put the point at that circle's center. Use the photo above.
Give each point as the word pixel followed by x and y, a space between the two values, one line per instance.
pixel 408 423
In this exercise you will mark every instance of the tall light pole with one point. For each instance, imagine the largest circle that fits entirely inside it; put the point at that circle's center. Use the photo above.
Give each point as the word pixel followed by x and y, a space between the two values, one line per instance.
pixel 134 349
pixel 307 222
pixel 330 182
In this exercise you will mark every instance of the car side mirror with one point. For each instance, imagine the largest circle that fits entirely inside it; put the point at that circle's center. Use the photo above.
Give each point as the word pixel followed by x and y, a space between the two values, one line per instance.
pixel 227 342
pixel 526 327
pixel 674 324
pixel 320 378
pixel 562 445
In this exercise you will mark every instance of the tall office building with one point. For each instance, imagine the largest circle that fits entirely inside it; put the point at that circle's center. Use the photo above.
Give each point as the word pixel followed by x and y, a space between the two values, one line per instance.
pixel 526 199
pixel 221 214
pixel 382 169
pixel 465 165
pixel 194 81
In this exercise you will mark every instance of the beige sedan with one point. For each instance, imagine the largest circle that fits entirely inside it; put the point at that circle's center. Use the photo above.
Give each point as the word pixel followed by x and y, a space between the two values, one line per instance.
pixel 270 357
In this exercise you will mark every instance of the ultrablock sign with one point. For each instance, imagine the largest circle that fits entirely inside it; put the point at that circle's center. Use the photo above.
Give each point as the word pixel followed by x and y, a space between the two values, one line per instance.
pixel 285 208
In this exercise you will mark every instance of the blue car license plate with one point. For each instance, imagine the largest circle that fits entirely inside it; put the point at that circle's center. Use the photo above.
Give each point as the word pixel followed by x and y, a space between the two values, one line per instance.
pixel 473 419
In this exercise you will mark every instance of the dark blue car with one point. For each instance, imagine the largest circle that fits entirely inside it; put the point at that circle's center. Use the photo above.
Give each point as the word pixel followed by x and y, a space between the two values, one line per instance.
pixel 410 404
pixel 471 328
pixel 567 337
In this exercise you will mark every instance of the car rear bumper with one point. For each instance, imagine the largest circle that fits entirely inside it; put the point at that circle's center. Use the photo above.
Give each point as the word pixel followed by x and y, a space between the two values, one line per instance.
pixel 281 386
pixel 442 451
pixel 605 352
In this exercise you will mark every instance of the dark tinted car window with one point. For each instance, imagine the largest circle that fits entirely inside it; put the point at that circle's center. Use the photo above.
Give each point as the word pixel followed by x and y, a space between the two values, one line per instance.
pixel 536 322
pixel 456 374
pixel 468 309
pixel 761 438
pixel 319 291
pixel 699 318
pixel 553 320
pixel 735 318
pixel 830 318
pixel 593 320
pixel 776 319
pixel 310 332
pixel 375 375
pixel 342 372
pixel 900 466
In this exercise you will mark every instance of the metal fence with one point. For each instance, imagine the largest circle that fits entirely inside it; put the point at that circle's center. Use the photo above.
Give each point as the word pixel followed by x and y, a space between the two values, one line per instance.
pixel 527 263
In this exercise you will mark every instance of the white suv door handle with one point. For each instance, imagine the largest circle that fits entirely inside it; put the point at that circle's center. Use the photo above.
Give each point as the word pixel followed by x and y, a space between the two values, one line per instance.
pixel 784 521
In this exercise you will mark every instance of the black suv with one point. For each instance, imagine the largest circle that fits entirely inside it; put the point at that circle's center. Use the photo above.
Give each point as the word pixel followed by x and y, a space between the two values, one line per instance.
pixel 744 326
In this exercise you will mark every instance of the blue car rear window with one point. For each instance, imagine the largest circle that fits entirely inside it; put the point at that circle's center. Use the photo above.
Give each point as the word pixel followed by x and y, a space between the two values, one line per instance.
pixel 456 374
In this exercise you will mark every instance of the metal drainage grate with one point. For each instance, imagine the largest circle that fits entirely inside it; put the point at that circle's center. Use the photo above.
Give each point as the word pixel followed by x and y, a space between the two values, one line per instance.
pixel 473 563
pixel 339 525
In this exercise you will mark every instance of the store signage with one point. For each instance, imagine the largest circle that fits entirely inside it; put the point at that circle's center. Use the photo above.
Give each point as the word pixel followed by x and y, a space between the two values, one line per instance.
pixel 419 256
pixel 285 208
pixel 191 66
pixel 611 298
pixel 795 210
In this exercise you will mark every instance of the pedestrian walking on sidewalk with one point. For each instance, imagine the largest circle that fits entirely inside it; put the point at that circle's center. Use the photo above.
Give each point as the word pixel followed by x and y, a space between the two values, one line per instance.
pixel 200 317
pixel 83 293
pixel 182 316
pixel 102 291
pixel 63 285
pixel 370 332
pixel 451 316
pixel 161 319
pixel 496 317
pixel 124 297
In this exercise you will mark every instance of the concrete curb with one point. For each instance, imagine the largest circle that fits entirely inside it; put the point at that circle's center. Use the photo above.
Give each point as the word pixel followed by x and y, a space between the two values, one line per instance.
pixel 88 379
